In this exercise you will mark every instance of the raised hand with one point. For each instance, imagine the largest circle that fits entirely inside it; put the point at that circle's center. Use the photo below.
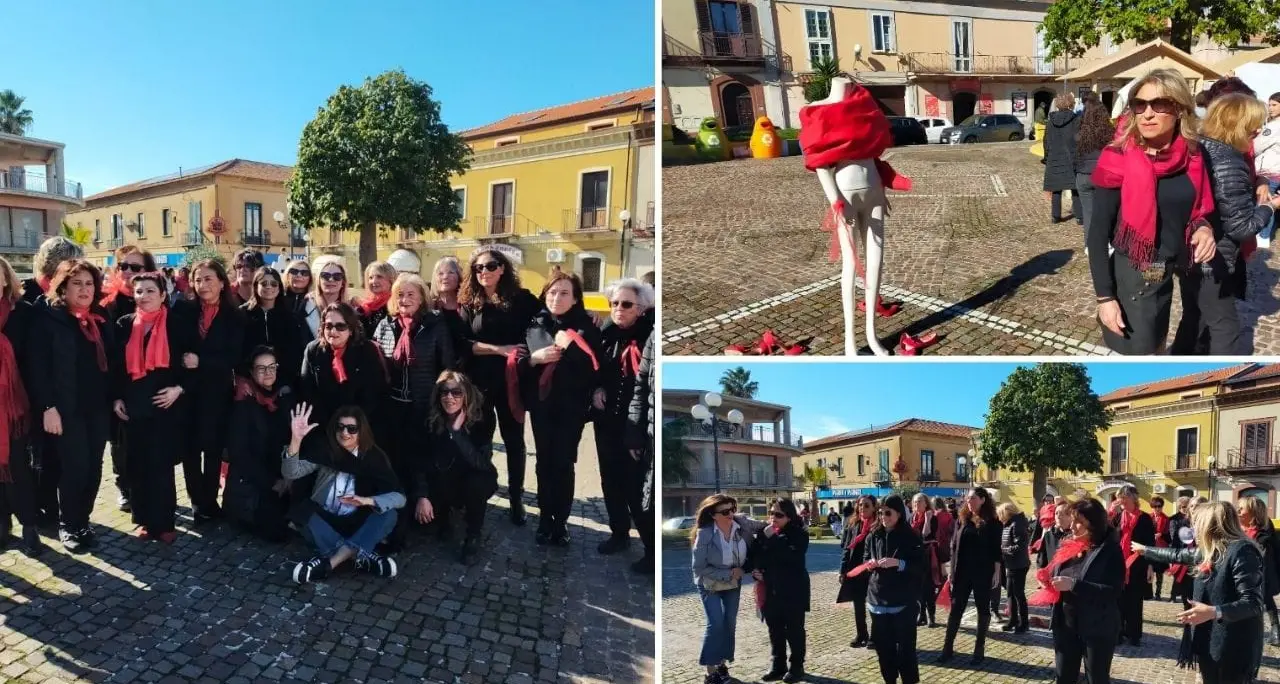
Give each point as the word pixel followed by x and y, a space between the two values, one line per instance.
pixel 300 421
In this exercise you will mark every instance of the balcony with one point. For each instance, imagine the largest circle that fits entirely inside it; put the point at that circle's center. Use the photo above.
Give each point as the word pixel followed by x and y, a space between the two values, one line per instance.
pixel 586 220
pixel 714 47
pixel 738 478
pixel 20 241
pixel 298 241
pixel 259 240
pixel 882 477
pixel 983 65
pixel 505 226
pixel 961 475
pixel 1176 463
pixel 115 243
pixel 929 476
pixel 1253 459
pixel 1117 466
pixel 193 238
pixel 748 433
pixel 21 180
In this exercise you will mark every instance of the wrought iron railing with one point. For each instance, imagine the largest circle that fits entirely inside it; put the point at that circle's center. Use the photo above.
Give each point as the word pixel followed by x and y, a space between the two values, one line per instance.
pixel 115 243
pixel 743 433
pixel 929 476
pixel 738 478
pixel 298 241
pixel 20 241
pixel 586 219
pixel 714 46
pixel 1176 462
pixel 1118 466
pixel 947 63
pixel 962 475
pixel 192 238
pixel 256 240
pixel 1261 457
pixel 881 476
pixel 21 179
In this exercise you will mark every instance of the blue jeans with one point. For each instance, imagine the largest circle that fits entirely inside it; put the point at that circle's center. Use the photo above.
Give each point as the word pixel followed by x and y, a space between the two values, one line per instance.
pixel 721 608
pixel 1271 225
pixel 324 539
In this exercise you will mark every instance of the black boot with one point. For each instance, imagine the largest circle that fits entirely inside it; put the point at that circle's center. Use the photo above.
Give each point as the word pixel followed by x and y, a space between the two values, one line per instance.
pixel 469 547
pixel 543 536
pixel 933 616
pixel 644 566
pixel 32 545
pixel 920 621
pixel 980 641
pixel 1273 633
pixel 795 674
pixel 614 544
pixel 517 507
pixel 778 671
pixel 949 641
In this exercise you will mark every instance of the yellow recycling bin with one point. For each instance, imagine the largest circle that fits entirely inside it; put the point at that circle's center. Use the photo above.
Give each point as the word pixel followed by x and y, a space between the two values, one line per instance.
pixel 765 143
pixel 1038 147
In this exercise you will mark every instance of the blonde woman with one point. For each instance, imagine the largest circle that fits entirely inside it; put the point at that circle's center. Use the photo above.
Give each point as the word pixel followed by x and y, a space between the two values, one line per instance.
pixel 446 281
pixel 1225 617
pixel 330 273
pixel 720 539
pixel 1152 203
pixel 297 287
pixel 1014 539
pixel 372 307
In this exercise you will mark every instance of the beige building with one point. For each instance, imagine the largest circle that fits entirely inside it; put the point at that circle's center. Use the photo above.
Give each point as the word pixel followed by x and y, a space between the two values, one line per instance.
pixel 230 205
pixel 1247 459
pixel 34 196
pixel 1110 73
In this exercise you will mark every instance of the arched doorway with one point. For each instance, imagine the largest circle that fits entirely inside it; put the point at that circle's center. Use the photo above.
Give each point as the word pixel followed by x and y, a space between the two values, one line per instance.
pixel 1108 99
pixel 1255 492
pixel 1042 97
pixel 963 104
pixel 735 102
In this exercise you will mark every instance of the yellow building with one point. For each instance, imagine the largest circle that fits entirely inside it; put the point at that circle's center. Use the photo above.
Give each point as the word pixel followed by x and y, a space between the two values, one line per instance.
pixel 571 186
pixel 34 196
pixel 931 455
pixel 1248 455
pixel 230 205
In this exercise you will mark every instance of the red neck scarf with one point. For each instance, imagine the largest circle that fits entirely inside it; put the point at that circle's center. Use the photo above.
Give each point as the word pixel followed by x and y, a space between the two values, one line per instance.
pixel 44 282
pixel 918 522
pixel 139 361
pixel 631 359
pixel 1252 531
pixel 89 327
pixel 404 346
pixel 866 529
pixel 246 388
pixel 208 312
pixel 1047 514
pixel 373 302
pixel 1128 521
pixel 1135 173
pixel 548 371
pixel 118 287
pixel 180 283
pixel 339 368
pixel 1162 527
pixel 1071 548
pixel 13 397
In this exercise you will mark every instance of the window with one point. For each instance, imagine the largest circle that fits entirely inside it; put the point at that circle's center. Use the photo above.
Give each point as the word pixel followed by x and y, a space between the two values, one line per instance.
pixel 862 468
pixel 501 207
pixel 884 462
pixel 594 200
pixel 1044 65
pixel 962 45
pixel 1255 443
pixel 1119 455
pixel 601 125
pixel 926 464
pixel 724 18
pixel 882 34
pixel 591 271
pixel 1109 46
pixel 817 29
pixel 25 227
pixel 142 225
pixel 503 142
pixel 166 222
pixel 1188 440
pixel 962 467
pixel 460 203
pixel 97 230
pixel 840 466
pixel 117 226
pixel 195 221
pixel 253 220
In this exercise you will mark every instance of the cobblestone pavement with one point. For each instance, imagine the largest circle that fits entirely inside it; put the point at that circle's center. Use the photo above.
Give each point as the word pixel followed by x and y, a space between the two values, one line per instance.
pixel 970 252
pixel 219 606
pixel 1010 658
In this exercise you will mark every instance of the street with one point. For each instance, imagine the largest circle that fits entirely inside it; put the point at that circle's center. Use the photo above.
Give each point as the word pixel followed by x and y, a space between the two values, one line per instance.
pixel 220 606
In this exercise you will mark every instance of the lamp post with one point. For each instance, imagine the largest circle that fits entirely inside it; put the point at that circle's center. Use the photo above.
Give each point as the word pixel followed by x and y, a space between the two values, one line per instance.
pixel 1211 461
pixel 706 412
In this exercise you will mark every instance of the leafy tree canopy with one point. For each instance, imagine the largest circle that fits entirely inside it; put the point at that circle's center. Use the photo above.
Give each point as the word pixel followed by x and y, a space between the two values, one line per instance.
pixel 199 253
pixel 1073 26
pixel 737 382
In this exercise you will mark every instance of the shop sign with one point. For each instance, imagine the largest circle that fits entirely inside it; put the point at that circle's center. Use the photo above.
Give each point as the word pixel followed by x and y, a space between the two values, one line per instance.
pixel 515 254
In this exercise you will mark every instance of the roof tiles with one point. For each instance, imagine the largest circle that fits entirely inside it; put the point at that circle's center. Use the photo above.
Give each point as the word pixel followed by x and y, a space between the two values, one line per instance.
pixel 597 106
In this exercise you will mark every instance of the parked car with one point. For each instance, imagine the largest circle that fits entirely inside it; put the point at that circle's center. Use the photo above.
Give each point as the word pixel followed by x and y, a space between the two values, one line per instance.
pixel 985 128
pixel 933 126
pixel 907 131
pixel 677 529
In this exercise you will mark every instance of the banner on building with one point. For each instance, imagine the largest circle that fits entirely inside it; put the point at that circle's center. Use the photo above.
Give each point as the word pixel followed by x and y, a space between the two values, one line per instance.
pixel 986 105
pixel 1019 102
pixel 931 106
pixel 515 254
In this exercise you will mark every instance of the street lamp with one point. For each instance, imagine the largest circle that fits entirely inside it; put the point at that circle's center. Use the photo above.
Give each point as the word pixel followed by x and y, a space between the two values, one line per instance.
pixel 1211 461
pixel 706 412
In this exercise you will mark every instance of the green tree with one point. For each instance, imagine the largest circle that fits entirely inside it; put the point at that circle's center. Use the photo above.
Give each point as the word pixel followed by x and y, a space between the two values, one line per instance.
pixel 737 382
pixel 677 457
pixel 200 253
pixel 811 478
pixel 825 69
pixel 80 236
pixel 1045 418
pixel 378 155
pixel 1073 26
pixel 14 119
pixel 906 490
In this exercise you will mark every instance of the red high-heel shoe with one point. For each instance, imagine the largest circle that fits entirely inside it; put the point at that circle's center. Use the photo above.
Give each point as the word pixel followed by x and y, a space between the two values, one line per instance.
pixel 883 310
pixel 735 350
pixel 142 534
pixel 768 344
pixel 168 537
pixel 909 345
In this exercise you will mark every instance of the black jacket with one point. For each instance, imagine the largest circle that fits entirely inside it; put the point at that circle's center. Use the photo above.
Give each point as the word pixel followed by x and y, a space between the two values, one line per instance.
pixel 893 587
pixel 498 325
pixel 1234 585
pixel 213 380
pixel 18 330
pixel 975 551
pixel 1236 216
pixel 281 329
pixel 450 459
pixel 1013 544
pixel 137 394
pixel 1144 532
pixel 63 366
pixel 1267 542
pixel 574 379
pixel 365 387
pixel 1060 151
pixel 31 292
pixel 640 432
pixel 781 557
pixel 620 386
pixel 433 353
pixel 1049 544
pixel 1095 598
pixel 850 557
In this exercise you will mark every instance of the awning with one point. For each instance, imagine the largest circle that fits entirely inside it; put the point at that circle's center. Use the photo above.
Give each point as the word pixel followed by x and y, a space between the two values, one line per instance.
pixel 1138 60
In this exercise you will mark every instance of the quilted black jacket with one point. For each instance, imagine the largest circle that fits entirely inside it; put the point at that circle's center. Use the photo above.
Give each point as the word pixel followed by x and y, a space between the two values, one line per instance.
pixel 1237 215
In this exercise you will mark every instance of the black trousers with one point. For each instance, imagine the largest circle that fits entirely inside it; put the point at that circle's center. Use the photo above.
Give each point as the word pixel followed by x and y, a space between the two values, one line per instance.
pixel 1131 598
pixel 80 450
pixel 555 441
pixel 150 466
pixel 466 490
pixel 1015 582
pixel 995 595
pixel 1055 206
pixel 1070 650
pixel 498 418
pixel 895 639
pixel 786 628
pixel 119 457
pixel 860 607
pixel 392 429
pixel 48 472
pixel 961 588
pixel 1208 310
pixel 926 606
pixel 18 498
pixel 622 482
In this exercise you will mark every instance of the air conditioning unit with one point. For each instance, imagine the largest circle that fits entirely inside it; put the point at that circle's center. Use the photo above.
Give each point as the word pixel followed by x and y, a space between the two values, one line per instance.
pixel 1159 488
pixel 555 255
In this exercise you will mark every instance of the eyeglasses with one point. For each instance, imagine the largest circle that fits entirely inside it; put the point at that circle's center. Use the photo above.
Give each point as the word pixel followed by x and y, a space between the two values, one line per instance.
pixel 724 511
pixel 490 266
pixel 455 392
pixel 270 368
pixel 348 428
pixel 133 268
pixel 622 303
pixel 299 272
pixel 1161 105
pixel 340 327
pixel 333 277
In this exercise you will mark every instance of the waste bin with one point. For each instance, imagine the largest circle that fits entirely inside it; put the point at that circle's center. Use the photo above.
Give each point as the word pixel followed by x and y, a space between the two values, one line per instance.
pixel 765 143
pixel 1038 148
pixel 712 143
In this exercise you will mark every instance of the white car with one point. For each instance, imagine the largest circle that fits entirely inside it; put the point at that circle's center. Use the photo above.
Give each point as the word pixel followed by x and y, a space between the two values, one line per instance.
pixel 933 127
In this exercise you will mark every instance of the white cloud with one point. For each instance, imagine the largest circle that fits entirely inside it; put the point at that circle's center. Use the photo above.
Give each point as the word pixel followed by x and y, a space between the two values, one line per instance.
pixel 823 426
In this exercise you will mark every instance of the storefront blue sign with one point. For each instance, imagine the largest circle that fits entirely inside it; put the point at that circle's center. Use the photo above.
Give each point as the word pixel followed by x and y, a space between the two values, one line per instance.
pixel 881 492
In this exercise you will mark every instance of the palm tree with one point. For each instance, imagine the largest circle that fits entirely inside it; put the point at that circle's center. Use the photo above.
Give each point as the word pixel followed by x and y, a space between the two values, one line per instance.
pixel 825 70
pixel 80 236
pixel 677 458
pixel 13 118
pixel 737 382
pixel 812 477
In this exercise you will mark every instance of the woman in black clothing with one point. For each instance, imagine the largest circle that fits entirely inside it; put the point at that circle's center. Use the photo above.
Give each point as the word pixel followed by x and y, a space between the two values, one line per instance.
pixel 17 474
pixel 341 367
pixel 446 284
pixel 148 386
pixel 778 560
pixel 560 385
pixel 458 470
pixel 256 496
pixel 1258 527
pixel 1133 524
pixel 1016 562
pixel 1225 617
pixel 498 311
pixel 117 300
pixel 68 355
pixel 298 287
pixel 621 476
pixel 853 587
pixel 925 524
pixel 1181 535
pixel 894 560
pixel 975 569
pixel 268 322
pixel 1095 132
pixel 1059 155
pixel 216 327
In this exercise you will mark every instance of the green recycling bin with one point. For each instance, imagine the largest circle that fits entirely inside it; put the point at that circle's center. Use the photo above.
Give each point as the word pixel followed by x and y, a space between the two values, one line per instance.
pixel 712 143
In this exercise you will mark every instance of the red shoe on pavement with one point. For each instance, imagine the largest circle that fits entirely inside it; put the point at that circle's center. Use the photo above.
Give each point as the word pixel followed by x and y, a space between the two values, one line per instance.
pixel 143 534
pixel 912 346
pixel 168 537
pixel 883 310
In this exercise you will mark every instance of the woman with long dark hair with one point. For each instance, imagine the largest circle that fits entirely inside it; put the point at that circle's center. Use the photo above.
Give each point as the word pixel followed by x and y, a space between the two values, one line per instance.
pixel 342 367
pixel 256 497
pixel 1258 527
pixel 17 472
pixel 353 502
pixel 269 322
pixel 777 560
pixel 1133 524
pixel 975 569
pixel 148 387
pixel 1181 535
pixel 1059 155
pixel 1095 133
pixel 498 311
pixel 895 564
pixel 71 390
pixel 216 327
pixel 853 587
pixel 924 522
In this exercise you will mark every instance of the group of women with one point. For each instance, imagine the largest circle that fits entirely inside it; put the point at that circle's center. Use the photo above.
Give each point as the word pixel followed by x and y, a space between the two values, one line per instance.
pixel 1093 571
pixel 407 383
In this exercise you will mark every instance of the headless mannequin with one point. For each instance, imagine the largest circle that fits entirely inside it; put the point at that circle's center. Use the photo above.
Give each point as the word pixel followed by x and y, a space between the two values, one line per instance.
pixel 858 185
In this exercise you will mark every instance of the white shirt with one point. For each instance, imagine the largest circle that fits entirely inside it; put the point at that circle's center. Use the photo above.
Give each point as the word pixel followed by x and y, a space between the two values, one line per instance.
pixel 343 485
pixel 1266 150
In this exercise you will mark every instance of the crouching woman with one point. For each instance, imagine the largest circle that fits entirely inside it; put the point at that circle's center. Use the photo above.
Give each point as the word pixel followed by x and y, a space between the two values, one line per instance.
pixel 353 505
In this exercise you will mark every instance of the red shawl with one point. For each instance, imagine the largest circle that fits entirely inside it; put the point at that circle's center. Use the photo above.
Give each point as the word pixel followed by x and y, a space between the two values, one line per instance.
pixel 575 338
pixel 89 327
pixel 116 287
pixel 339 368
pixel 919 523
pixel 1162 527
pixel 44 282
pixel 1072 548
pixel 1135 173
pixel 631 360
pixel 514 404
pixel 404 346
pixel 1046 516
pixel 867 525
pixel 1128 521
pixel 139 361
pixel 373 303
pixel 13 396
pixel 246 388
pixel 208 312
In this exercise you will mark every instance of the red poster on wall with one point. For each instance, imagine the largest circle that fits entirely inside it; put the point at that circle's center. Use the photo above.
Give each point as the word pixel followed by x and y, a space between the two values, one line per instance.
pixel 931 106
pixel 985 104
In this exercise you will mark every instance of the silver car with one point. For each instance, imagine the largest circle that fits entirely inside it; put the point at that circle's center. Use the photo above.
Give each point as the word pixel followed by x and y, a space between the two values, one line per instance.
pixel 985 128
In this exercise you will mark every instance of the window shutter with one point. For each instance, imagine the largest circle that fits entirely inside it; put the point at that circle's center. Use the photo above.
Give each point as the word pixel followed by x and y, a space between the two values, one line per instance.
pixel 703 9
pixel 748 19
pixel 892 33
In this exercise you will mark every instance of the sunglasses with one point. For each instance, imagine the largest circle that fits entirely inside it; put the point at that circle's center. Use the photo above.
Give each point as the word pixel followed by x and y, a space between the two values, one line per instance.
pixel 348 428
pixel 724 511
pixel 1161 105
pixel 622 304
pixel 340 327
pixel 490 266
pixel 267 369
pixel 455 392
pixel 885 511
pixel 333 277
pixel 299 272
pixel 133 268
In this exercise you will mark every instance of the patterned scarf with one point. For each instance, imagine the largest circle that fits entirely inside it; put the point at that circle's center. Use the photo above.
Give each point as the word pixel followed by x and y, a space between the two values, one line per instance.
pixel 208 312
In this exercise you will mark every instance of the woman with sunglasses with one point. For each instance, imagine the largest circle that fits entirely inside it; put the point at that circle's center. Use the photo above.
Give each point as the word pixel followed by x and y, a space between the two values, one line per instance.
pixel 719 542
pixel 853 587
pixel 216 326
pixel 372 307
pixel 975 569
pixel 244 264
pixel 1258 527
pixel 777 558
pixel 256 497
pixel 269 322
pixel 297 287
pixel 148 387
pixel 341 367
pixel 893 561
pixel 330 288
pixel 621 476
pixel 497 311
pixel 353 503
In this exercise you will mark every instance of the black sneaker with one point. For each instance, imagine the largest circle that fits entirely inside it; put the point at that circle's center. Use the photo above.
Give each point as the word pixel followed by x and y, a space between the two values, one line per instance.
pixel 644 566
pixel 377 564
pixel 312 570
pixel 614 544
pixel 72 542
pixel 561 537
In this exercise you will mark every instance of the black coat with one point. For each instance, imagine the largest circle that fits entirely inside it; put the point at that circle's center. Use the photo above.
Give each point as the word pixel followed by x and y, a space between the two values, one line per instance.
pixel 137 394
pixel 1095 598
pixel 253 456
pixel 975 551
pixel 640 414
pixel 619 387
pixel 213 381
pixel 1236 216
pixel 63 366
pixel 1014 542
pixel 574 379
pixel 781 558
pixel 498 325
pixel 1270 571
pixel 449 461
pixel 281 329
pixel 850 556
pixel 893 587
pixel 1060 151
pixel 31 291
pixel 366 384
pixel 433 353
pixel 1144 532
pixel 18 330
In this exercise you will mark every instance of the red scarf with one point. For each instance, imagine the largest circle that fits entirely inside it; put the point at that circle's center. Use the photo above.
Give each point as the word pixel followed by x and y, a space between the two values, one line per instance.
pixel 139 361
pixel 1128 521
pixel 246 388
pixel 372 303
pixel 1046 517
pixel 118 286
pixel 1135 173
pixel 208 312
pixel 575 338
pixel 514 404
pixel 866 529
pixel 339 368
pixel 89 327
pixel 404 346
pixel 1252 532
pixel 917 522
pixel 181 283
pixel 631 360
pixel 1162 527
pixel 13 397
pixel 44 282
pixel 1070 549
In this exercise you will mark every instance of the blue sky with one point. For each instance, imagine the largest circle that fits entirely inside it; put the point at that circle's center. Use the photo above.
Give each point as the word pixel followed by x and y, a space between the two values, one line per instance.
pixel 137 89
pixel 829 398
